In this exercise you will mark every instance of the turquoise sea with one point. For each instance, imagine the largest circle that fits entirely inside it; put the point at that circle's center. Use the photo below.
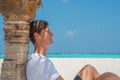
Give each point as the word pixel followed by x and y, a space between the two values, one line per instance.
pixel 81 55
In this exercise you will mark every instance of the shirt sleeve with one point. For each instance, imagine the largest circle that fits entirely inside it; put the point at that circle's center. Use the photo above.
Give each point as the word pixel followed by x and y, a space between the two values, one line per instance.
pixel 55 76
pixel 53 72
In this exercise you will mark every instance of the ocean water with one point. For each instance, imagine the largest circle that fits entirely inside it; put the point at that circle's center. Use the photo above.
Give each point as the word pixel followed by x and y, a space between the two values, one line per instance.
pixel 81 55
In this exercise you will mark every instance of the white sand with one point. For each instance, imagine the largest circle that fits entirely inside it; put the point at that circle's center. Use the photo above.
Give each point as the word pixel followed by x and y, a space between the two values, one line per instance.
pixel 69 67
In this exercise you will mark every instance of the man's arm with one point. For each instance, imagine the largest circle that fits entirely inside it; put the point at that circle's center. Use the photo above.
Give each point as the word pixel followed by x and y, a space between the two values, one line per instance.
pixel 60 78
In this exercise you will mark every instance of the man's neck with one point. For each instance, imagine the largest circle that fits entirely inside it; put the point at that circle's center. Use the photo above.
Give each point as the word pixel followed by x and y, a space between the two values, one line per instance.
pixel 41 50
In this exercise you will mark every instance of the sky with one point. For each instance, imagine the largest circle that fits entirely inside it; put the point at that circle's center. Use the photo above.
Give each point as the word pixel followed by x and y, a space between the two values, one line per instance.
pixel 79 26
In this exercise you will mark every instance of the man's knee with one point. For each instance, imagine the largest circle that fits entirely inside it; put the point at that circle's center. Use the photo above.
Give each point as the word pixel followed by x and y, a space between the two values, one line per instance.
pixel 109 73
pixel 88 67
pixel 87 72
pixel 108 76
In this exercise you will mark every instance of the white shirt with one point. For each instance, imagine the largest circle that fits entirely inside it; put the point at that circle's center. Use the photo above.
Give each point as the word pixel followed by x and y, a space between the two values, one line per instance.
pixel 40 67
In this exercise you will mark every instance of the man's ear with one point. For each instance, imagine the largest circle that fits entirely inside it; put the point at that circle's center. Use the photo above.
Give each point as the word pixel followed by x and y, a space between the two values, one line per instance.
pixel 36 35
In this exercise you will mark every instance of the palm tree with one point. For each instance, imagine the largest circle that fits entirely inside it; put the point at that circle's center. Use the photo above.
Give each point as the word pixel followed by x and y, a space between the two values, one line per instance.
pixel 17 14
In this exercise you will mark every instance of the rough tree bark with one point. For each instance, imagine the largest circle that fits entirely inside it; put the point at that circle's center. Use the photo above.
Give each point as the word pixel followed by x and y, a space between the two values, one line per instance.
pixel 17 14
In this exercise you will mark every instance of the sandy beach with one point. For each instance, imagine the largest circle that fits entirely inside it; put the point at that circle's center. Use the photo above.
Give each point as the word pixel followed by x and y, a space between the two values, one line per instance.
pixel 69 67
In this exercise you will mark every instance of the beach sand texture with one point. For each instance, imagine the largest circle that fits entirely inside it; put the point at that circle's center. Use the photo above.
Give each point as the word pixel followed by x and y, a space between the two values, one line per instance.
pixel 69 67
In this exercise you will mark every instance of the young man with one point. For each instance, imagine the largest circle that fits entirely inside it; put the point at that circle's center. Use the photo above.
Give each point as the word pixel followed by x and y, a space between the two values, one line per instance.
pixel 39 67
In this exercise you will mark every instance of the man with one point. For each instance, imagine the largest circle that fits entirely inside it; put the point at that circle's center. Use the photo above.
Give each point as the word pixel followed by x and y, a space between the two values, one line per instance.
pixel 39 67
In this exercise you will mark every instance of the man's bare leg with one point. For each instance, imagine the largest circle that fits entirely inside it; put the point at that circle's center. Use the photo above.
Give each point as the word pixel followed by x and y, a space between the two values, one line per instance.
pixel 108 76
pixel 88 73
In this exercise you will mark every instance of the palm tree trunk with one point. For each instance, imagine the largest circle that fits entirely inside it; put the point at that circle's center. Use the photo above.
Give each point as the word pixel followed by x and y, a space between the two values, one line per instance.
pixel 16 50
pixel 17 14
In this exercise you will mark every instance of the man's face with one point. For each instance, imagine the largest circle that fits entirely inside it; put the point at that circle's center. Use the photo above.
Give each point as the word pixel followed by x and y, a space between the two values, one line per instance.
pixel 46 36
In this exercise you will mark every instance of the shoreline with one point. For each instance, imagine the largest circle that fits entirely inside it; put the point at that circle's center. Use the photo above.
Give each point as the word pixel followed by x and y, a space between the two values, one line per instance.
pixel 79 55
pixel 69 67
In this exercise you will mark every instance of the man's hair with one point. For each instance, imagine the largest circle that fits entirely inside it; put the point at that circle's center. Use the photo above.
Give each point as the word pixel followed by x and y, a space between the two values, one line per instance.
pixel 36 26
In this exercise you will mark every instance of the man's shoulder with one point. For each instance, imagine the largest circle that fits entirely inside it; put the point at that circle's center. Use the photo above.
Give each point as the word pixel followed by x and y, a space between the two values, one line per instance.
pixel 38 57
